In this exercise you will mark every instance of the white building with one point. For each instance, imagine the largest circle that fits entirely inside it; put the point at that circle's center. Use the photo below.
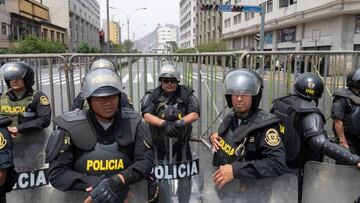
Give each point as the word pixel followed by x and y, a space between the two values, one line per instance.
pixel 164 36
pixel 296 25
pixel 80 17
pixel 187 23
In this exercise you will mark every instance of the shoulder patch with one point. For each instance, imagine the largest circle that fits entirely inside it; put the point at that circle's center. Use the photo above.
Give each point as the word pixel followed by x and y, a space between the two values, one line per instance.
pixel 272 137
pixel 3 141
pixel 44 100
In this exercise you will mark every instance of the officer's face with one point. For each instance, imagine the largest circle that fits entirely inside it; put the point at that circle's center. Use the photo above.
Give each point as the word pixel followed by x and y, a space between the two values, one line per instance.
pixel 105 107
pixel 17 85
pixel 241 103
pixel 169 84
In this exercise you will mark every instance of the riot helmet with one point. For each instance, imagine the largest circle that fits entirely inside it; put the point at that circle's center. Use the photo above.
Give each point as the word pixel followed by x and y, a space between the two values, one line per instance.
pixel 169 71
pixel 103 63
pixel 101 82
pixel 243 82
pixel 353 79
pixel 309 86
pixel 18 71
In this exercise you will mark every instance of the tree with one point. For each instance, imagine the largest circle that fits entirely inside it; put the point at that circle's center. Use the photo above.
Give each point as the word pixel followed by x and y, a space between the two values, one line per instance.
pixel 128 46
pixel 214 46
pixel 83 47
pixel 36 45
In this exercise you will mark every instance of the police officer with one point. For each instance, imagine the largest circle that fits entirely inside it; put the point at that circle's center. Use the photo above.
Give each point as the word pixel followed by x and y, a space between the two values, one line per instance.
pixel 8 175
pixel 170 109
pixel 80 102
pixel 30 112
pixel 345 113
pixel 247 143
pixel 101 150
pixel 304 135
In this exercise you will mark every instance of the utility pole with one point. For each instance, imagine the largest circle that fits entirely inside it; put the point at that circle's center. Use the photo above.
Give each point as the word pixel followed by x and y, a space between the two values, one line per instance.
pixel 108 27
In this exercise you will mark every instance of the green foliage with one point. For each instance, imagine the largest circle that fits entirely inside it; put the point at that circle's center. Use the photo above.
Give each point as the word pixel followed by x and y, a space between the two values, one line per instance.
pixel 4 51
pixel 35 45
pixel 214 46
pixel 187 50
pixel 83 47
pixel 127 46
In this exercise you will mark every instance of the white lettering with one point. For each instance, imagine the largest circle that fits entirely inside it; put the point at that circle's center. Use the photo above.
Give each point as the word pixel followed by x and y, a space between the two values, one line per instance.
pixel 176 171
pixel 22 180
pixel 41 180
pixel 194 169
pixel 182 171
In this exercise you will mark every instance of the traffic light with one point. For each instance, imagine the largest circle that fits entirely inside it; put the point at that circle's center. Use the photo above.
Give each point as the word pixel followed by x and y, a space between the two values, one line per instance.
pixel 236 8
pixel 257 37
pixel 102 36
pixel 209 7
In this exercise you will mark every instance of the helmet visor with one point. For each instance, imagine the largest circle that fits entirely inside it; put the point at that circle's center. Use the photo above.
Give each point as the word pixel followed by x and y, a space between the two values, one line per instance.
pixel 242 82
pixel 12 72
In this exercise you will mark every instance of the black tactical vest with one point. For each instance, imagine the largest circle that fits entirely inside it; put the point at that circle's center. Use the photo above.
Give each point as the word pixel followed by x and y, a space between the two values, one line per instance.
pixel 171 108
pixel 240 143
pixel 290 110
pixel 92 157
pixel 352 120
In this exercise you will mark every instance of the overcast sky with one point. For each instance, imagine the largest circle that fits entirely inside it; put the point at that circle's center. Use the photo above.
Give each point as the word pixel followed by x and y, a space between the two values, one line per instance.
pixel 142 22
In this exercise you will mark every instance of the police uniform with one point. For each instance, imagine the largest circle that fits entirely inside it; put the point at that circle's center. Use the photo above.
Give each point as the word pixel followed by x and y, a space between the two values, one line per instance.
pixel 30 114
pixel 346 107
pixel 303 130
pixel 6 159
pixel 171 108
pixel 182 102
pixel 252 145
pixel 81 153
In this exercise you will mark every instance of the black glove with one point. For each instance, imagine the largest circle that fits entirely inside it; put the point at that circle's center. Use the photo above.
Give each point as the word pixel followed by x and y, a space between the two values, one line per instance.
pixel 170 129
pixel 109 190
pixel 180 123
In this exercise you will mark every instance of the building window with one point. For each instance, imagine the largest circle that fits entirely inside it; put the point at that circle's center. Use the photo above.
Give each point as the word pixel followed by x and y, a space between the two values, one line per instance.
pixel 286 3
pixel 247 16
pixel 62 38
pixel 269 6
pixel 52 35
pixel 45 33
pixel 237 19
pixel 283 3
pixel 3 28
pixel 286 34
pixel 58 36
pixel 357 24
pixel 227 22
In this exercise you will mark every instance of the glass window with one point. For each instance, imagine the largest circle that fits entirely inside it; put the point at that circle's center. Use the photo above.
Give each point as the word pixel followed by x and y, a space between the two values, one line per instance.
pixel 269 6
pixel 227 22
pixel 283 3
pixel 237 19
pixel 52 35
pixel 3 28
pixel 286 34
pixel 45 33
pixel 357 24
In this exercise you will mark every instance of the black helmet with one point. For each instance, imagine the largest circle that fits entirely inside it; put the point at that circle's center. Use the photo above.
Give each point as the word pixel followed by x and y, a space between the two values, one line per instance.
pixel 101 82
pixel 309 86
pixel 353 79
pixel 103 63
pixel 243 81
pixel 17 71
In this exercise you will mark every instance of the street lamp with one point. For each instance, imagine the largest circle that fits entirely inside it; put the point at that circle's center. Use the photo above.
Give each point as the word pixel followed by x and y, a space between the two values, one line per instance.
pixel 128 18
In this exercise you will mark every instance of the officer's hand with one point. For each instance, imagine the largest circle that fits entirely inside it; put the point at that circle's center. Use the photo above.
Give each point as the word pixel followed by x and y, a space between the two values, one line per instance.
pixel 170 129
pixel 13 131
pixel 214 139
pixel 180 123
pixel 223 175
pixel 358 165
pixel 108 190
pixel 344 144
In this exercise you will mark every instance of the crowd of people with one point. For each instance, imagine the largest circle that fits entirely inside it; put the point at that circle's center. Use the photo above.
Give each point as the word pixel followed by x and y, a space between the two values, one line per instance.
pixel 102 146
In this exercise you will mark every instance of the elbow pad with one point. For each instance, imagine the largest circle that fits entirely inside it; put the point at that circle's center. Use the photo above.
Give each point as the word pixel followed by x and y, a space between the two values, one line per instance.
pixel 313 125
pixel 332 150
